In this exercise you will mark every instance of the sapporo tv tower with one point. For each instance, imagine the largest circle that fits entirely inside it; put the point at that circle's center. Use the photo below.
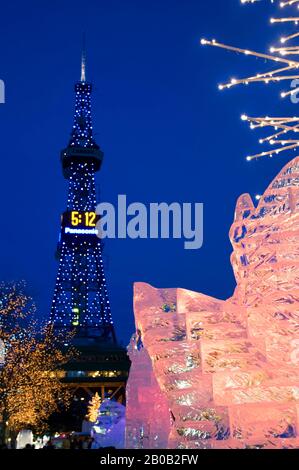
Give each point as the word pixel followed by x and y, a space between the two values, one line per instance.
pixel 80 299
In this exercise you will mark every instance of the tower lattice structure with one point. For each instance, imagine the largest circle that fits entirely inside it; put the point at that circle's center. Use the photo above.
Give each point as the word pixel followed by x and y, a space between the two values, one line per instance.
pixel 80 298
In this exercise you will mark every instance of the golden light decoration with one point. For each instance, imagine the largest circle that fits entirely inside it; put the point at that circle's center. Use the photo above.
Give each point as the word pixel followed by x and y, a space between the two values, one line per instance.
pixel 284 137
pixel 30 389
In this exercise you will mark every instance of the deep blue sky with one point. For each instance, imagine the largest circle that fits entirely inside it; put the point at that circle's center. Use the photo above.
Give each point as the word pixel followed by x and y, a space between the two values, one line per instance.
pixel 167 132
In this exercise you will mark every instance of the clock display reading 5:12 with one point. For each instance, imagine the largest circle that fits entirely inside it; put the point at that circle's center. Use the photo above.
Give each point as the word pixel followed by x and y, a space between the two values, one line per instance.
pixel 89 219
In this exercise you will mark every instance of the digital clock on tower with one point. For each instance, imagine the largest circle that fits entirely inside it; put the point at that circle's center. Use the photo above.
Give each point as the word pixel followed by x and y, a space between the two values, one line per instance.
pixel 77 219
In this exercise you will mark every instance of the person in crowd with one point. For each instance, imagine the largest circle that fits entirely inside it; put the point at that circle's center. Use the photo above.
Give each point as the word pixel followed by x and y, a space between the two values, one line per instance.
pixel 49 445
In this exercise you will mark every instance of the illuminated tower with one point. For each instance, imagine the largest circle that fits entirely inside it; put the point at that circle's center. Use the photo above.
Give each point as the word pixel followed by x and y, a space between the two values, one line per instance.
pixel 80 298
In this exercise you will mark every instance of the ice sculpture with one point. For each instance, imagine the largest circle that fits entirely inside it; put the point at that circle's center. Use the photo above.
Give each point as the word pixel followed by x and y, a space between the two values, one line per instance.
pixel 147 410
pixel 109 429
pixel 225 373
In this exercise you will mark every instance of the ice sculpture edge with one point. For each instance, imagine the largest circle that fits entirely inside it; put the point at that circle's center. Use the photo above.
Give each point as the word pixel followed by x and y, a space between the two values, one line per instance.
pixel 208 373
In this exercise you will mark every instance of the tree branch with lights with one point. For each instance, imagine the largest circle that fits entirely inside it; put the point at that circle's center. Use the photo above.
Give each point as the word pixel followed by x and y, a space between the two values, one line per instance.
pixel 284 130
pixel 30 389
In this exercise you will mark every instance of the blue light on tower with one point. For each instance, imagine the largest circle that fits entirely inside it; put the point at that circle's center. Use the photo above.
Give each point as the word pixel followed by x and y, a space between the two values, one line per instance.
pixel 80 297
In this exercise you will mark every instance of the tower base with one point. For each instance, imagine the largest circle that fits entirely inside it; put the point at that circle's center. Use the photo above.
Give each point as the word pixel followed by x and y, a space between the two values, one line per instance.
pixel 99 367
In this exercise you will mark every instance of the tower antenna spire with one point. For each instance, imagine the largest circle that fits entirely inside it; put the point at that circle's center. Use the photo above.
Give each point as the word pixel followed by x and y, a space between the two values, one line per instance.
pixel 83 60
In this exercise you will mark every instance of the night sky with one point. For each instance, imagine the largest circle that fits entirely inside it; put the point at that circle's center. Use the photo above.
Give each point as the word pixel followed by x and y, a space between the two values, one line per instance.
pixel 168 134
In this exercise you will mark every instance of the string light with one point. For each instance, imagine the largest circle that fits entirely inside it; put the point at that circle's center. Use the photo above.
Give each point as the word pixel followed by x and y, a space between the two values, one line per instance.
pixel 30 390
pixel 284 126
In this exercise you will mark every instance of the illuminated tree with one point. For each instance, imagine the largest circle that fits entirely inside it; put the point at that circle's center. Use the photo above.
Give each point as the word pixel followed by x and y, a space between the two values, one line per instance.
pixel 30 389
pixel 93 408
pixel 15 305
pixel 283 129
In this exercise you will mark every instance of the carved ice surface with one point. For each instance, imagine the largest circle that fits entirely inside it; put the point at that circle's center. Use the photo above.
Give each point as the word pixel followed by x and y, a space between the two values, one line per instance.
pixel 109 429
pixel 208 373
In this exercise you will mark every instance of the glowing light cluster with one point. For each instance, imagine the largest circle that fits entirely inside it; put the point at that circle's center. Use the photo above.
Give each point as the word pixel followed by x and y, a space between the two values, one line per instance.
pixel 82 192
pixel 82 128
pixel 289 72
pixel 93 408
pixel 30 390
